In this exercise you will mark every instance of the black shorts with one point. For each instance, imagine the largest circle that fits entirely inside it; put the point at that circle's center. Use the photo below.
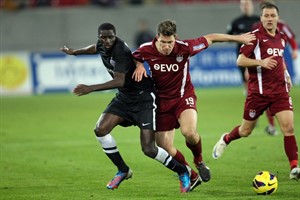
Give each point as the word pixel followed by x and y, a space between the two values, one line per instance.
pixel 136 109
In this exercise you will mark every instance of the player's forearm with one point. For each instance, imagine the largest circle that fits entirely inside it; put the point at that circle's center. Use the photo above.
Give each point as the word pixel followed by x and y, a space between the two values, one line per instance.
pixel 243 61
pixel 112 84
pixel 91 49
pixel 106 86
pixel 220 37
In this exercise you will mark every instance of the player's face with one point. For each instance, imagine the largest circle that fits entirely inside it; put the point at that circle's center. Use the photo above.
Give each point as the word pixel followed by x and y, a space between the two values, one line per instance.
pixel 165 44
pixel 246 7
pixel 107 38
pixel 269 19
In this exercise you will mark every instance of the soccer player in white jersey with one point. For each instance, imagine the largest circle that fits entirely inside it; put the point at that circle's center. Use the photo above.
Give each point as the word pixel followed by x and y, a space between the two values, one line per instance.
pixel 168 59
pixel 268 87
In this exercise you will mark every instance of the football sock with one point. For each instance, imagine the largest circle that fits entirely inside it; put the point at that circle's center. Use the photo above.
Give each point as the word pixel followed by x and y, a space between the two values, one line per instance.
pixel 110 149
pixel 164 157
pixel 270 118
pixel 233 135
pixel 291 150
pixel 196 150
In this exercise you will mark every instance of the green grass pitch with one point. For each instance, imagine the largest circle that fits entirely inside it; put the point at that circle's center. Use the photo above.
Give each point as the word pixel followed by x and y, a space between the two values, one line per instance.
pixel 48 151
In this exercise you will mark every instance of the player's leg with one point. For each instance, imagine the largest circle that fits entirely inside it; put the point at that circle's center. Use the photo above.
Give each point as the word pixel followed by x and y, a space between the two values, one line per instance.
pixel 165 139
pixel 151 150
pixel 188 124
pixel 270 129
pixel 244 130
pixel 104 126
pixel 254 106
pixel 286 122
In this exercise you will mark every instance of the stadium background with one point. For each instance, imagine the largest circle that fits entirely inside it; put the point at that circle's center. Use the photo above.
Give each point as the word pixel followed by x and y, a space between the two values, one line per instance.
pixel 31 38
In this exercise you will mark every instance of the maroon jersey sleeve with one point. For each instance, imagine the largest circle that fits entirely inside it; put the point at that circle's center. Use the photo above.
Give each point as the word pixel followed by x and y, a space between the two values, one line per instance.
pixel 196 45
pixel 247 50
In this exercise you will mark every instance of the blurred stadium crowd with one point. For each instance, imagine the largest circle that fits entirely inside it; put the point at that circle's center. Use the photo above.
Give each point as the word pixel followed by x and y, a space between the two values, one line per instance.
pixel 21 4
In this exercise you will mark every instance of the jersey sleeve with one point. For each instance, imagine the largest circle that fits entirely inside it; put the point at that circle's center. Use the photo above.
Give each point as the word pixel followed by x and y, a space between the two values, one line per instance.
pixel 137 55
pixel 248 50
pixel 196 45
pixel 290 36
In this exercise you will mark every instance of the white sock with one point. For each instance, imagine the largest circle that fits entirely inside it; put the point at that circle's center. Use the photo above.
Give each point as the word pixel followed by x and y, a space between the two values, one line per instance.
pixel 163 156
pixel 108 144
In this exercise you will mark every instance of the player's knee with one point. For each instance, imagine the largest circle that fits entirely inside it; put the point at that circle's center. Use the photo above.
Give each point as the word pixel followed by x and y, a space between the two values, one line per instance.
pixel 192 137
pixel 287 129
pixel 245 132
pixel 189 134
pixel 149 151
pixel 100 131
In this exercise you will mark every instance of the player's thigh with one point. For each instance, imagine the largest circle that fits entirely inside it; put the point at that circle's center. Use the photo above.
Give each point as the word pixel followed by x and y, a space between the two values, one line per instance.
pixel 147 137
pixel 188 121
pixel 107 122
pixel 286 121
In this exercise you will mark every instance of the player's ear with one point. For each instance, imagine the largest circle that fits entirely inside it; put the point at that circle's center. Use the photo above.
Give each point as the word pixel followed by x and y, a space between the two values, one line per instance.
pixel 176 36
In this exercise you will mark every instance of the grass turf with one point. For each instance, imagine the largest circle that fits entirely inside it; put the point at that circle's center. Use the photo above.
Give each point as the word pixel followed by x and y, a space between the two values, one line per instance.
pixel 48 151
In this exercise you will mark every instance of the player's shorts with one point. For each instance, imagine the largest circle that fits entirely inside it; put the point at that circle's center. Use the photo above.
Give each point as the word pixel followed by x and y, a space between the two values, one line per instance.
pixel 256 104
pixel 137 109
pixel 169 111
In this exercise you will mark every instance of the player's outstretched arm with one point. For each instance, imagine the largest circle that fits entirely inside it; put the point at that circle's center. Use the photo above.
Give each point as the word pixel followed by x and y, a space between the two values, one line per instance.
pixel 91 49
pixel 139 72
pixel 117 82
pixel 245 38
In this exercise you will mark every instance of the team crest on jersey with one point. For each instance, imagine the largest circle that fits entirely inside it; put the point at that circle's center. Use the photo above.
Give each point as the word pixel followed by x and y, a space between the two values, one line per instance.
pixel 252 113
pixel 283 42
pixel 179 58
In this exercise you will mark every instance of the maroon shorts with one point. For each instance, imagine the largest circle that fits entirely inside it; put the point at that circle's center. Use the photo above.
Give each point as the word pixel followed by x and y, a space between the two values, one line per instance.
pixel 169 111
pixel 256 104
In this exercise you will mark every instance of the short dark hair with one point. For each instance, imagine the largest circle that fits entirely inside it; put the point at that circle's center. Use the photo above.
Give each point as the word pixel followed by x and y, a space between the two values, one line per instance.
pixel 106 26
pixel 268 5
pixel 166 28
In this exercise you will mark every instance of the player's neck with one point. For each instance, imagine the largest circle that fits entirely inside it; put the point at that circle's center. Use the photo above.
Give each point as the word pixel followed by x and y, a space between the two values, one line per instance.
pixel 271 32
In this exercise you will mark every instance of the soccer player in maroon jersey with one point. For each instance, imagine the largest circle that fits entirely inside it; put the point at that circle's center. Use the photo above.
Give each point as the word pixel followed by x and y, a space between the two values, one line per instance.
pixel 282 26
pixel 268 87
pixel 168 59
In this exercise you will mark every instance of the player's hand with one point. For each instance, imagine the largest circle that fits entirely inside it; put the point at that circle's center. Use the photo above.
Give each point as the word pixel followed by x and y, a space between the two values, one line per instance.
pixel 288 80
pixel 139 72
pixel 269 63
pixel 67 50
pixel 81 89
pixel 246 38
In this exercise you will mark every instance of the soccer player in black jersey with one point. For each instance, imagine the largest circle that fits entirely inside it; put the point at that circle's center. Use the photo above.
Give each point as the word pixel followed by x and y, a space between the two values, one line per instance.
pixel 134 104
pixel 243 24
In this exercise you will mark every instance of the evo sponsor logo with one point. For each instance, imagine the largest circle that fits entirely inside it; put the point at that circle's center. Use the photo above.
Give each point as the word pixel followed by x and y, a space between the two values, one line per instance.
pixel 275 51
pixel 166 67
